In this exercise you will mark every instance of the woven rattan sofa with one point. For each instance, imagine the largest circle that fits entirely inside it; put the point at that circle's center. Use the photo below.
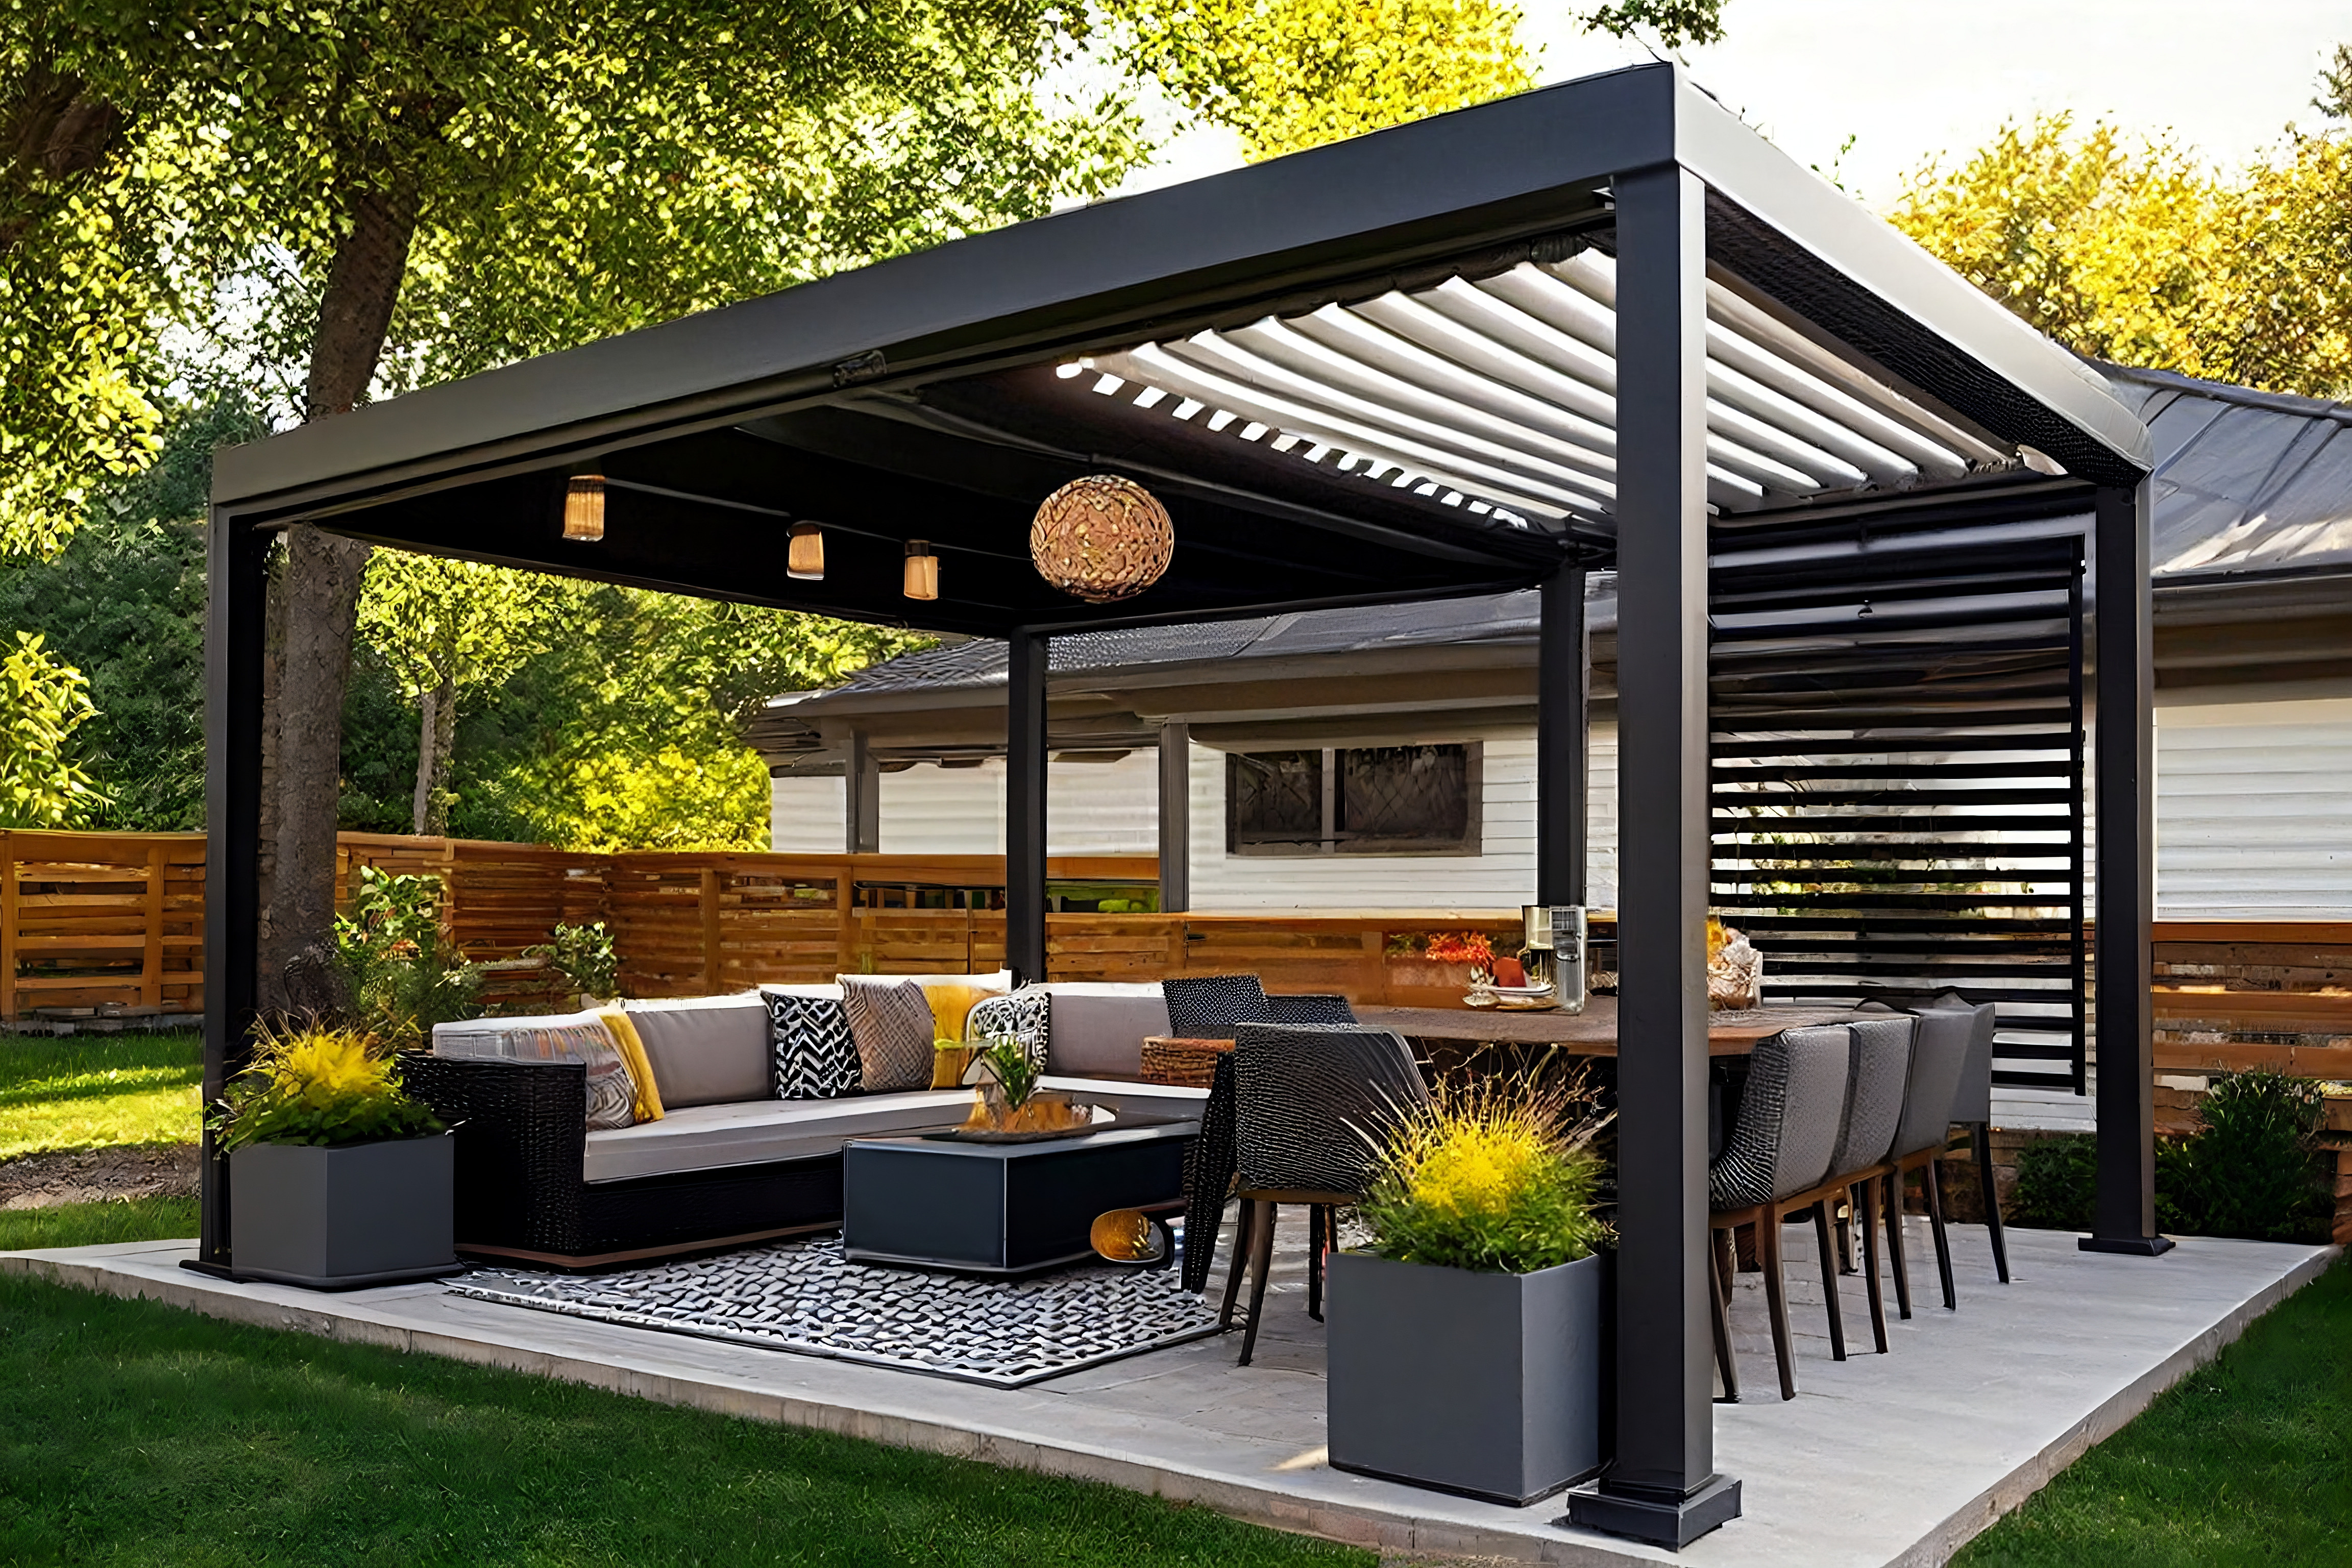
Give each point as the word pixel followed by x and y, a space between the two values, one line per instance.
pixel 534 1184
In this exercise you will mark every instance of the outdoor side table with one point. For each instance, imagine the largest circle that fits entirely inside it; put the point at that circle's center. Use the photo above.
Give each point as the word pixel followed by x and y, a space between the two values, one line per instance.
pixel 936 1201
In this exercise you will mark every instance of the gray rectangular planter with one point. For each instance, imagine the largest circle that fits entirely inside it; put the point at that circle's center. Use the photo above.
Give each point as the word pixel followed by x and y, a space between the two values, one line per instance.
pixel 341 1219
pixel 1484 1384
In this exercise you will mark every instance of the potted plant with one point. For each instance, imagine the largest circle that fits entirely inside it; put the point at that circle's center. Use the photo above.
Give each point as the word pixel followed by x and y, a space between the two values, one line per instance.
pixel 1434 968
pixel 1465 1341
pixel 1006 1102
pixel 337 1178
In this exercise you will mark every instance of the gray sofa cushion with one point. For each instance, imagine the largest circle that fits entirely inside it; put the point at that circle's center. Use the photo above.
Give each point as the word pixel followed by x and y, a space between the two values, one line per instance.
pixel 1097 1028
pixel 707 1050
pixel 708 1137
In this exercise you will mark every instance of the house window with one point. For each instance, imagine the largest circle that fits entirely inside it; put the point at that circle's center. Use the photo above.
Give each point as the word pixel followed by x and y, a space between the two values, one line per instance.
pixel 1353 800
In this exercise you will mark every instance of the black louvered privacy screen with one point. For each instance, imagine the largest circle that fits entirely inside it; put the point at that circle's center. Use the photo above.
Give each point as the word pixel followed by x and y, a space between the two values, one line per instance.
pixel 1897 793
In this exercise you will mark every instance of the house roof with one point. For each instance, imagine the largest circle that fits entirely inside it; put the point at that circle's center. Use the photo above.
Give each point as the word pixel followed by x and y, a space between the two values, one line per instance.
pixel 2247 484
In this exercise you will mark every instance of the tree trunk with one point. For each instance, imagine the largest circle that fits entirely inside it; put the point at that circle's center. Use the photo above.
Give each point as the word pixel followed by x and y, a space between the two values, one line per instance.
pixel 319 594
pixel 437 738
pixel 54 129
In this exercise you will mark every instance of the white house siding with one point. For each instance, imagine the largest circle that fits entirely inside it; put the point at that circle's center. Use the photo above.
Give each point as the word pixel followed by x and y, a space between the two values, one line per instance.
pixel 1092 808
pixel 2254 810
pixel 806 816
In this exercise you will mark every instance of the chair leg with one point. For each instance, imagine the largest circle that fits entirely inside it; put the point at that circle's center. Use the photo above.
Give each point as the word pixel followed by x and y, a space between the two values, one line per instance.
pixel 1935 1223
pixel 1242 1223
pixel 1866 1221
pixel 1982 1137
pixel 1895 1245
pixel 1319 1227
pixel 1827 1244
pixel 1776 1299
pixel 1727 1259
pixel 1719 1259
pixel 1842 1216
pixel 1261 1263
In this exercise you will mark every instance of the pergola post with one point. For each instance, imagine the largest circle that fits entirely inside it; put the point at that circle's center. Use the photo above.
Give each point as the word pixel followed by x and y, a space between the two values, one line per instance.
pixel 861 799
pixel 1024 804
pixel 2124 785
pixel 1563 733
pixel 1661 1485
pixel 1175 817
pixel 234 572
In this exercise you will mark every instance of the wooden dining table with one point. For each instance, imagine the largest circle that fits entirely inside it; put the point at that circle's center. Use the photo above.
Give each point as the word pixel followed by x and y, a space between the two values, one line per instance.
pixel 1592 1033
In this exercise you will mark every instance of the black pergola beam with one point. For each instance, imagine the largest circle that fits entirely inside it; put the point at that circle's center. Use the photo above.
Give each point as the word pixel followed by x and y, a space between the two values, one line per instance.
pixel 1563 739
pixel 1027 654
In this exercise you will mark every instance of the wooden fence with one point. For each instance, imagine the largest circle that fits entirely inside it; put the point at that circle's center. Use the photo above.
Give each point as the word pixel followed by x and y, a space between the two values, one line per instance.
pixel 113 923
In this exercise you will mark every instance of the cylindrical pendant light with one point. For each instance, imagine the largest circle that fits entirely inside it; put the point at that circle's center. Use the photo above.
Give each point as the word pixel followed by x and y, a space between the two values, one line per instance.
pixel 584 508
pixel 923 570
pixel 804 556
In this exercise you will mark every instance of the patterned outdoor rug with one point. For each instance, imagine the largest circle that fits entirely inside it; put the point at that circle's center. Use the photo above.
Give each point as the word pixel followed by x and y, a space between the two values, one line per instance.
pixel 804 1295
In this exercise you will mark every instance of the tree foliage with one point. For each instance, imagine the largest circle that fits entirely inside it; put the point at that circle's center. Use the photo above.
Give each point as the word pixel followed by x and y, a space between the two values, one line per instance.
pixel 41 785
pixel 2132 250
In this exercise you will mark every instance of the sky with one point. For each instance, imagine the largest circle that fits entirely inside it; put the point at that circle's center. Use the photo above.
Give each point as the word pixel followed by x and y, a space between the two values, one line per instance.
pixel 1911 79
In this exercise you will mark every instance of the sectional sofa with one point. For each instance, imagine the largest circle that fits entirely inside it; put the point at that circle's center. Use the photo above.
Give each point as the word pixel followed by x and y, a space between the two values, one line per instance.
pixel 729 1162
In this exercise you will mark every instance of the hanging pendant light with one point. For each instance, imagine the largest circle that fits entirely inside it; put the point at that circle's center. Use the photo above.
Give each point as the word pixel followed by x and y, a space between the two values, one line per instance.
pixel 584 508
pixel 1102 538
pixel 923 570
pixel 804 555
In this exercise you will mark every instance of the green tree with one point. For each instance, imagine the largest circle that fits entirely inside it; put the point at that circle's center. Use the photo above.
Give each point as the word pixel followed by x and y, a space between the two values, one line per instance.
pixel 444 629
pixel 2135 251
pixel 41 785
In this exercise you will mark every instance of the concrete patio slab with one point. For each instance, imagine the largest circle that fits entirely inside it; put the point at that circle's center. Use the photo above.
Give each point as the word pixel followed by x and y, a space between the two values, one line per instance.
pixel 1879 1460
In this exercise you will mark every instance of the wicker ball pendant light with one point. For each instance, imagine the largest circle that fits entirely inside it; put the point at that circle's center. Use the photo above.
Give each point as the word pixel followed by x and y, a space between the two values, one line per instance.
pixel 1102 538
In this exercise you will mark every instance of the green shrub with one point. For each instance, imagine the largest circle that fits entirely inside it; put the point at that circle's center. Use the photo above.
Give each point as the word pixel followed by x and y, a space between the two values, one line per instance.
pixel 2255 1165
pixel 320 1087
pixel 2251 1169
pixel 583 955
pixel 403 977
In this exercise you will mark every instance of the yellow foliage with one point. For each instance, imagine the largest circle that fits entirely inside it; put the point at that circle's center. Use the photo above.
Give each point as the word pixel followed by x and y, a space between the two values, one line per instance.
pixel 2133 251
pixel 715 797
pixel 1291 73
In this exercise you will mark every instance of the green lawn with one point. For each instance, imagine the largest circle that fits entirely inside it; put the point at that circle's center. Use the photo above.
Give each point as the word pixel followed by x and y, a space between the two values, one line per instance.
pixel 135 1432
pixel 91 1092
pixel 93 1224
pixel 2249 1462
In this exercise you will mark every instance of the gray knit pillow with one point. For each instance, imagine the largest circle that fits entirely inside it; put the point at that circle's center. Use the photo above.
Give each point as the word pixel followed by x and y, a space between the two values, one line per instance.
pixel 891 1022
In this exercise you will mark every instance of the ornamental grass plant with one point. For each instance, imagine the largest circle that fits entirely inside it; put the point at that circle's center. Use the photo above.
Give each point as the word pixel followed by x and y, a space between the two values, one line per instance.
pixel 1496 1174
pixel 322 1087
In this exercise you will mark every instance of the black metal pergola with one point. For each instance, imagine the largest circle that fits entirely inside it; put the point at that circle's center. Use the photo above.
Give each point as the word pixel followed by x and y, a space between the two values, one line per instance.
pixel 1599 325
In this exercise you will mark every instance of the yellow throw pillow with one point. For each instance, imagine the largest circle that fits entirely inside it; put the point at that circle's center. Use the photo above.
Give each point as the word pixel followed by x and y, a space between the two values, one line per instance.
pixel 648 1105
pixel 952 1004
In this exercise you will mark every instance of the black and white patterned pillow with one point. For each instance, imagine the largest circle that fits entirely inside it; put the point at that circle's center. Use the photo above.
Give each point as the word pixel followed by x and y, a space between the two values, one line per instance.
pixel 1027 1015
pixel 816 1058
pixel 1209 1006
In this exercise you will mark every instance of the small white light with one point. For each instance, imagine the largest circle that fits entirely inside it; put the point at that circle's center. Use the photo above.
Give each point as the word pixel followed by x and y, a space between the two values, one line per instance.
pixel 1317 453
pixel 1405 477
pixel 1067 371
pixel 1428 489
pixel 1108 383
pixel 1190 407
pixel 1347 462
pixel 1221 418
pixel 1481 508
pixel 1453 498
pixel 1284 442
pixel 1151 397
pixel 1253 431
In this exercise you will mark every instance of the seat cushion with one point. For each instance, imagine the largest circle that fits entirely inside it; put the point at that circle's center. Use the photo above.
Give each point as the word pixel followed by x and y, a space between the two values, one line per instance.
pixel 707 1050
pixel 1099 1028
pixel 709 1137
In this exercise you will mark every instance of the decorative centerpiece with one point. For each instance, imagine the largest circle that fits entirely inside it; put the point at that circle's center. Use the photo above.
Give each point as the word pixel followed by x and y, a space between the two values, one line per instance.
pixel 1446 961
pixel 1464 1345
pixel 1735 970
pixel 337 1178
pixel 1007 1104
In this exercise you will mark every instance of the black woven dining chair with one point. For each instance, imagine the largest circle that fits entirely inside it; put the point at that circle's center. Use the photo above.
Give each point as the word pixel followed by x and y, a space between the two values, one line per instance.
pixel 1309 1101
